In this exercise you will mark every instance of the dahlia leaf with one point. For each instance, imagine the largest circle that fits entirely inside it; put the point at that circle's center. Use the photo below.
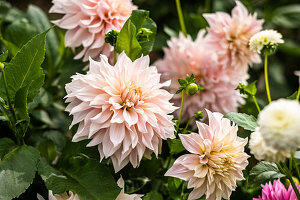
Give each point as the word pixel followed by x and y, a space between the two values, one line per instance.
pixel 17 171
pixel 3 56
pixel 153 195
pixel 264 171
pixel 39 19
pixel 6 145
pixel 248 122
pixel 175 146
pixel 24 68
pixel 86 177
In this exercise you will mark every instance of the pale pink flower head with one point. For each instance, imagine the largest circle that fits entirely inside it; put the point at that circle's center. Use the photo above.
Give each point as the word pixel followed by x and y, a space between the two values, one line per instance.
pixel 123 195
pixel 230 37
pixel 65 196
pixel 216 159
pixel 277 191
pixel 122 109
pixel 87 22
pixel 185 56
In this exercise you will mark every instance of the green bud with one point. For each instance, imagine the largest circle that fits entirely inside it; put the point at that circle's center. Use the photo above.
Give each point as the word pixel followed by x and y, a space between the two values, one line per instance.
pixel 269 49
pixel 287 182
pixel 143 35
pixel 192 89
pixel 199 115
pixel 111 37
pixel 1 66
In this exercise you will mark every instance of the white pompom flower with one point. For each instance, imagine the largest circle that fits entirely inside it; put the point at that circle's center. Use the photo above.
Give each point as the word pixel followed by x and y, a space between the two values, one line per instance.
pixel 280 124
pixel 262 151
pixel 267 39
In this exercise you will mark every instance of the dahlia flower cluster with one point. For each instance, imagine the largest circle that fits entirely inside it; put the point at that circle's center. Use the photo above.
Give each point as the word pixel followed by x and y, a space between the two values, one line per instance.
pixel 219 60
pixel 87 22
pixel 216 159
pixel 277 191
pixel 125 114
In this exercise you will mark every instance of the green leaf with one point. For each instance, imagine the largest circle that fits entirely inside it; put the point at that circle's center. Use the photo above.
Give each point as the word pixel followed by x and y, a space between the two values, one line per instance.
pixel 47 150
pixel 293 96
pixel 287 16
pixel 153 195
pixel 264 171
pixel 58 138
pixel 86 177
pixel 175 146
pixel 17 171
pixel 25 68
pixel 42 116
pixel 141 19
pixel 251 88
pixel 248 122
pixel 39 19
pixel 127 41
pixel 6 145
pixel 19 32
pixel 11 47
pixel 3 56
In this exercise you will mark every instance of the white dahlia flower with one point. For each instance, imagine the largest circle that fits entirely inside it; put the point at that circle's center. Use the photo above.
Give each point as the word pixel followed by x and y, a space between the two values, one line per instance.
pixel 262 151
pixel 280 124
pixel 122 109
pixel 265 39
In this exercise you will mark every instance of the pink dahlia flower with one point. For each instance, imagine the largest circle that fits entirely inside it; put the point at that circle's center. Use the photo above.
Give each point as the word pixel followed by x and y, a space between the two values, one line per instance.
pixel 216 159
pixel 87 22
pixel 123 195
pixel 122 109
pixel 277 191
pixel 65 196
pixel 230 35
pixel 185 56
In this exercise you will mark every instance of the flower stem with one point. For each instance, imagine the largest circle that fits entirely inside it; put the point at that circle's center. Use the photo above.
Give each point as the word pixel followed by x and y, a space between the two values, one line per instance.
pixel 298 94
pixel 295 165
pixel 181 20
pixel 181 109
pixel 289 176
pixel 255 101
pixel 207 6
pixel 115 56
pixel 188 123
pixel 266 78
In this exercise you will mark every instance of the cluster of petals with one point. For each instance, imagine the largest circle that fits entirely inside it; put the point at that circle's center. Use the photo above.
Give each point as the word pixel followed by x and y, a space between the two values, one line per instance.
pixel 65 196
pixel 185 56
pixel 279 124
pixel 122 109
pixel 87 22
pixel 230 35
pixel 265 39
pixel 123 195
pixel 216 159
pixel 277 191
pixel 262 151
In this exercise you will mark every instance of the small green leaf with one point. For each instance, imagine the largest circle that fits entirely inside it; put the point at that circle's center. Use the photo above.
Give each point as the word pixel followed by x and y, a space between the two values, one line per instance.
pixel 175 146
pixel 264 171
pixel 127 41
pixel 293 96
pixel 24 68
pixel 17 171
pixel 248 122
pixel 6 145
pixel 182 82
pixel 153 195
pixel 3 56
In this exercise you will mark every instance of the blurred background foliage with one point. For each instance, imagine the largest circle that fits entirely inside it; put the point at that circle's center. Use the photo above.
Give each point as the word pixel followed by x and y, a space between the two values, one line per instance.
pixel 19 23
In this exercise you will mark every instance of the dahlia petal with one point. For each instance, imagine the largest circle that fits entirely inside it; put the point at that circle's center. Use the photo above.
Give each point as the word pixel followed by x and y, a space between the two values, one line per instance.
pixel 117 133
pixel 190 142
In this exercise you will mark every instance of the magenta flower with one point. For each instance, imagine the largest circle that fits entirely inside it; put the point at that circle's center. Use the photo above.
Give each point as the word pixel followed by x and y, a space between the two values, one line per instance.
pixel 277 191
pixel 87 22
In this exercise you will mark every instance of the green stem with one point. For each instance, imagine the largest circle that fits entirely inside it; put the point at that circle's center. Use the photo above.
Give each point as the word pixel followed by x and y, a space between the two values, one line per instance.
pixel 295 165
pixel 115 56
pixel 181 109
pixel 181 20
pixel 266 78
pixel 298 94
pixel 255 101
pixel 207 6
pixel 188 123
pixel 290 177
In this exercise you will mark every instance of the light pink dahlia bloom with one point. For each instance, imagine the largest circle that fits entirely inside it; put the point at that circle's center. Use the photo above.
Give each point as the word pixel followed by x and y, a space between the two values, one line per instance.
pixel 185 56
pixel 277 191
pixel 230 35
pixel 122 109
pixel 123 195
pixel 87 22
pixel 65 196
pixel 216 159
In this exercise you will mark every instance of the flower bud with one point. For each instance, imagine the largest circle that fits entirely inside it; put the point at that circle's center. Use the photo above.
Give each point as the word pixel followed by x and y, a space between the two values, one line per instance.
pixel 1 66
pixel 287 182
pixel 111 37
pixel 144 34
pixel 199 115
pixel 192 89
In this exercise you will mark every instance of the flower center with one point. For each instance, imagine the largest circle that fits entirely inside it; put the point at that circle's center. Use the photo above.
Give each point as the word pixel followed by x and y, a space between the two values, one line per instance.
pixel 131 96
